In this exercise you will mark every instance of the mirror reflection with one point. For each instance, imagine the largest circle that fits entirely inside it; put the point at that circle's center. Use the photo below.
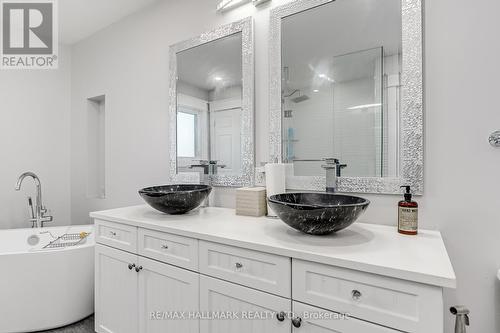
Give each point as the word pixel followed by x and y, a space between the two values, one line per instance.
pixel 209 107
pixel 341 65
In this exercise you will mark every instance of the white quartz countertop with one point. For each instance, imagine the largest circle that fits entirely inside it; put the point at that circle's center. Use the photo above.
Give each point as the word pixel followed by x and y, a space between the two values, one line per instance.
pixel 369 248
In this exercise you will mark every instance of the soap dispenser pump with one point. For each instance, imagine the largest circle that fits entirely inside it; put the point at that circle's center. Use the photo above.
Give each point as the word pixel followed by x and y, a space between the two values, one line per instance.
pixel 407 214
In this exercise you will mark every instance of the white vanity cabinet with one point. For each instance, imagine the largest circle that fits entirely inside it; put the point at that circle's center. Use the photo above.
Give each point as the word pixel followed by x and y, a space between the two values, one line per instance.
pixel 115 290
pixel 211 271
pixel 137 294
pixel 255 310
pixel 163 291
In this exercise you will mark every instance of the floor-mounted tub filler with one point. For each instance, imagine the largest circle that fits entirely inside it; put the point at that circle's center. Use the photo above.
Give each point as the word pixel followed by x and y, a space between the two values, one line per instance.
pixel 47 277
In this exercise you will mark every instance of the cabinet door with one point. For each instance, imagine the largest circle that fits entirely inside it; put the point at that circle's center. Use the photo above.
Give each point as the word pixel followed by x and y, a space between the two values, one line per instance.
pixel 168 298
pixel 115 291
pixel 310 319
pixel 240 309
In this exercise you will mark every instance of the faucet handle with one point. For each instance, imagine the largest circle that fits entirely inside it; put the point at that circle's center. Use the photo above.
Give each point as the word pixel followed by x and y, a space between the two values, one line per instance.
pixel 46 218
pixel 329 166
pixel 330 160
pixel 202 162
pixel 331 163
pixel 216 163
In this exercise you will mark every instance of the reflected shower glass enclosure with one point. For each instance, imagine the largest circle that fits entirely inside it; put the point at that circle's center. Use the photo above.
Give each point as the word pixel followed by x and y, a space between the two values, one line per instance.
pixel 340 89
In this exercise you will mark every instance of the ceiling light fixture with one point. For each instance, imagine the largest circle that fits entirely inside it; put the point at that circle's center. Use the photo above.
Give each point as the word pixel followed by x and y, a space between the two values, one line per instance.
pixel 315 90
pixel 224 5
pixel 364 106
pixel 259 2
pixel 217 78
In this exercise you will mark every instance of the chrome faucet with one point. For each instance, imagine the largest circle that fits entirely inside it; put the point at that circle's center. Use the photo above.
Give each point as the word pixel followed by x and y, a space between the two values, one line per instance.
pixel 210 168
pixel 333 171
pixel 38 218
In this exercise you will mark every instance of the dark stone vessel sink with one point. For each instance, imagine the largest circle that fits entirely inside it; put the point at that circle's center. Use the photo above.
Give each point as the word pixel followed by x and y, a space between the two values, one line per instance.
pixel 318 213
pixel 175 199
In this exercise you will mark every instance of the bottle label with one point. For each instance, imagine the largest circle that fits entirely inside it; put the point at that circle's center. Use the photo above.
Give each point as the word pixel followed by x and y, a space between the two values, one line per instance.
pixel 408 219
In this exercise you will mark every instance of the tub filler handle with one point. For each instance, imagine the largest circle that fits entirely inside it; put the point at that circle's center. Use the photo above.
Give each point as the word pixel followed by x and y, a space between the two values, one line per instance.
pixel 462 318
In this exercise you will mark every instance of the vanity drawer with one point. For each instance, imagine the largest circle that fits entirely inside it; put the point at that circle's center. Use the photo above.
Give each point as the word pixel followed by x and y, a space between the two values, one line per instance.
pixel 120 236
pixel 395 303
pixel 263 271
pixel 317 320
pixel 172 249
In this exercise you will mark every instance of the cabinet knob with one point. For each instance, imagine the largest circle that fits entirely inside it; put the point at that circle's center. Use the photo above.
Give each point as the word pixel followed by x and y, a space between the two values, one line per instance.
pixel 356 295
pixel 138 269
pixel 112 233
pixel 280 316
pixel 238 265
pixel 297 322
pixel 164 246
pixel 130 266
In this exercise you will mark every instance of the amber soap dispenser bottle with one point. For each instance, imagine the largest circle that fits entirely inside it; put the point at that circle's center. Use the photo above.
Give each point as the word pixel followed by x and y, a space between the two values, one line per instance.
pixel 407 214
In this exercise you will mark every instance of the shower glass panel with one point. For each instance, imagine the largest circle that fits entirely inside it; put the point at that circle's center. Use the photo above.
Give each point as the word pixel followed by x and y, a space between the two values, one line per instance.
pixel 357 137
pixel 340 115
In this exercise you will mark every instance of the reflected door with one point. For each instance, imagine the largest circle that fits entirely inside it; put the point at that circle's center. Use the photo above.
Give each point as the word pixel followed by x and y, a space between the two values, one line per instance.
pixel 226 140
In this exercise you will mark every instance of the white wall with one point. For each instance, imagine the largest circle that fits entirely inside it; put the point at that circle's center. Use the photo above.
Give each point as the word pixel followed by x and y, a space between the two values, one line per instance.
pixel 129 63
pixel 34 136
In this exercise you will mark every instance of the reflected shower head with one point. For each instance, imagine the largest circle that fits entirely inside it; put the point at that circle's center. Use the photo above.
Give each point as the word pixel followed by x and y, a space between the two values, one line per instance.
pixel 300 98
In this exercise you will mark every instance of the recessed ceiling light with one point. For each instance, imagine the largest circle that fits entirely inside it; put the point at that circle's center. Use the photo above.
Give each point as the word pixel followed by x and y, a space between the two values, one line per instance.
pixel 315 90
pixel 217 78
pixel 325 77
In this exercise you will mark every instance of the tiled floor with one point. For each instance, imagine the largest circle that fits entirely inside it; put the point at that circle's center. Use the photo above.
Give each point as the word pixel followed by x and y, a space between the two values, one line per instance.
pixel 84 326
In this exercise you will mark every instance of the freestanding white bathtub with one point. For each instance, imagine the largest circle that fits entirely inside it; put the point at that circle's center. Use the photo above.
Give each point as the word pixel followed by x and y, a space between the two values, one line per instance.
pixel 44 288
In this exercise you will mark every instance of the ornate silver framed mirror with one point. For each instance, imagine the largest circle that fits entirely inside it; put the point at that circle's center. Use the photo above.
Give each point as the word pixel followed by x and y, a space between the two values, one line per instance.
pixel 346 82
pixel 211 110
